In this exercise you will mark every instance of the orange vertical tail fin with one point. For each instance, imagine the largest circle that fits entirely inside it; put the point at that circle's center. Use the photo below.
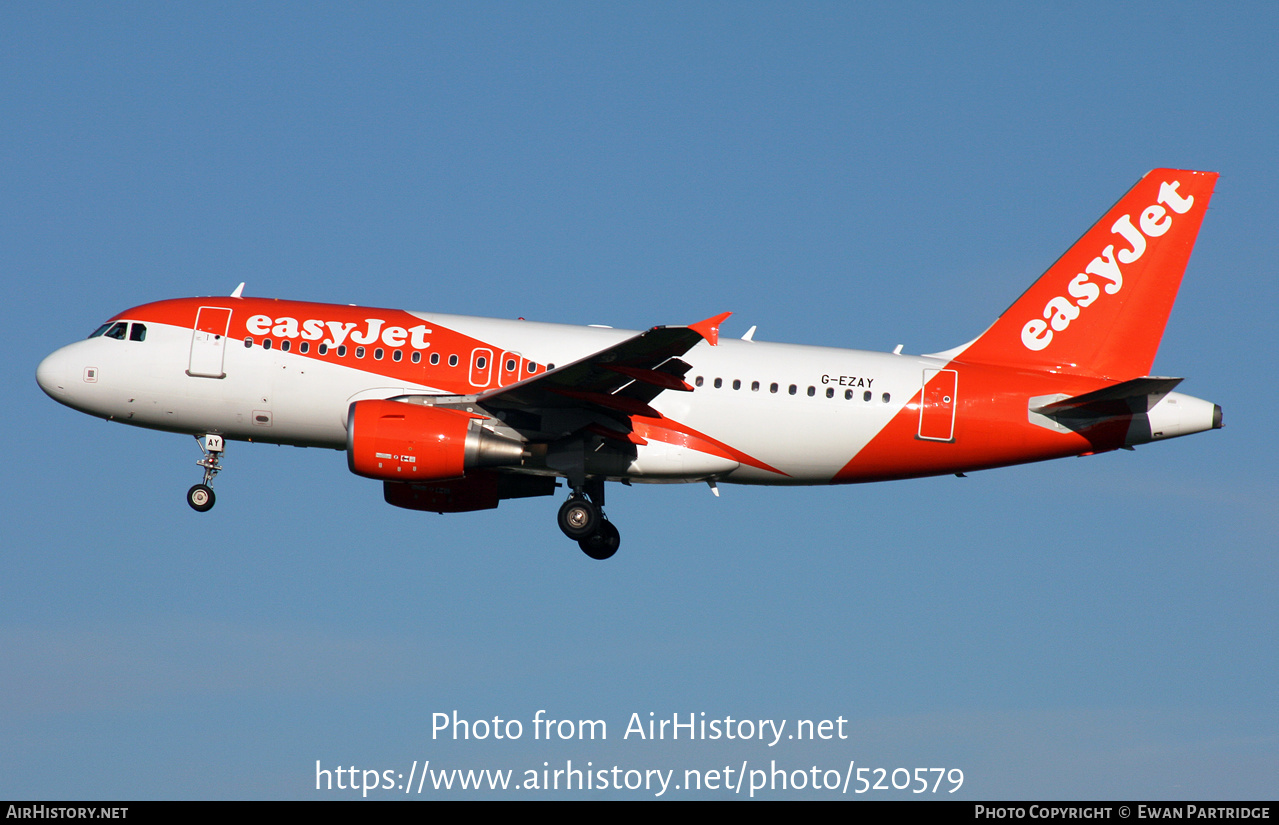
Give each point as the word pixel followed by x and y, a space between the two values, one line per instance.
pixel 1102 307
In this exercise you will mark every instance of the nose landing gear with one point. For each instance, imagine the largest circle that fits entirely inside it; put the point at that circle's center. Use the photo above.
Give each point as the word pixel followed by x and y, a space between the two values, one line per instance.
pixel 200 496
pixel 582 520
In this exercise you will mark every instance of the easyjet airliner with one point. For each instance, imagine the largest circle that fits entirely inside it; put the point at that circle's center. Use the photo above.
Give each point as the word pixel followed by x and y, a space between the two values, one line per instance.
pixel 455 413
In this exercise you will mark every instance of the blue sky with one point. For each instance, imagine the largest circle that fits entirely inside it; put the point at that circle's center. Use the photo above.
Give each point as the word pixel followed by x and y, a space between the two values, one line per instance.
pixel 860 175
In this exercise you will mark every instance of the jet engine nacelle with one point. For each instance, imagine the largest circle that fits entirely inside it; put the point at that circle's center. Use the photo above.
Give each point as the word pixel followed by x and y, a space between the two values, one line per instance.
pixel 399 441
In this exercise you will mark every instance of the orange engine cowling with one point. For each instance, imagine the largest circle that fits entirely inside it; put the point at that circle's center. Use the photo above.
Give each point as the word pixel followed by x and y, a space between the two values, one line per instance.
pixel 399 441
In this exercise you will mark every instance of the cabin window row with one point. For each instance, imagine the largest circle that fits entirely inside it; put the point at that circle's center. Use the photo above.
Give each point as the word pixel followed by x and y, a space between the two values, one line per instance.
pixel 793 389
pixel 340 351
pixel 379 353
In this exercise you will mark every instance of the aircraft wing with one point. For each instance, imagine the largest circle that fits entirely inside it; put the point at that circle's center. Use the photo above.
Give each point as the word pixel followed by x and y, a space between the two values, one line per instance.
pixel 621 379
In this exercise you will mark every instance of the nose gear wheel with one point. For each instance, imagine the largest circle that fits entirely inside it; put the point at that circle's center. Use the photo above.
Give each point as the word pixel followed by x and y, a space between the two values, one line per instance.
pixel 201 498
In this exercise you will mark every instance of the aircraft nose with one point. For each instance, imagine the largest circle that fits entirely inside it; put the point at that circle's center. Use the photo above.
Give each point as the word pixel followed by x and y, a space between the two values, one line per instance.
pixel 51 375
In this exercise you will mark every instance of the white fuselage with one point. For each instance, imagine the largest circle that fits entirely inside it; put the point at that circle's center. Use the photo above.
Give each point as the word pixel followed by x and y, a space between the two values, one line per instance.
pixel 758 412
pixel 803 410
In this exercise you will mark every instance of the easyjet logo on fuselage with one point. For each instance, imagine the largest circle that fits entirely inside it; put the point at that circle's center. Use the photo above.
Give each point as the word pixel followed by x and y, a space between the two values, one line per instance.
pixel 1060 311
pixel 313 329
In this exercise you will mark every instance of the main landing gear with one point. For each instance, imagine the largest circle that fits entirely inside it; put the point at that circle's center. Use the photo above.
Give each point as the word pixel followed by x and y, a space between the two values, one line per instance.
pixel 583 521
pixel 201 497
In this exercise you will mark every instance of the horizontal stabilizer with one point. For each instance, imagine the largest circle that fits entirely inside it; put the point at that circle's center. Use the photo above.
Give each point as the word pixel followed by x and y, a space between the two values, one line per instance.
pixel 1135 396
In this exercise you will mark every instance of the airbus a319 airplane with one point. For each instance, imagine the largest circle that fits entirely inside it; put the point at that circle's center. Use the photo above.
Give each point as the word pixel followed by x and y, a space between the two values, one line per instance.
pixel 455 413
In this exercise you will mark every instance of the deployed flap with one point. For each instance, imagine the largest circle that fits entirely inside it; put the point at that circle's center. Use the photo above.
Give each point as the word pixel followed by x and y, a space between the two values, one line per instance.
pixel 622 378
pixel 1134 396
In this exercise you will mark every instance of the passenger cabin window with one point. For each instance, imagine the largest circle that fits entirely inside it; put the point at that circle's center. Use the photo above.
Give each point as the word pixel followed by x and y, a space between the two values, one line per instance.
pixel 417 356
pixel 435 358
pixel 284 345
pixel 396 355
pixel 452 360
pixel 304 347
pixel 322 349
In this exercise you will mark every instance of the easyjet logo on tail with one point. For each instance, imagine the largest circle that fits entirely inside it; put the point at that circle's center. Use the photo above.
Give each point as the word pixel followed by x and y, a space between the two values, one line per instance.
pixel 1106 267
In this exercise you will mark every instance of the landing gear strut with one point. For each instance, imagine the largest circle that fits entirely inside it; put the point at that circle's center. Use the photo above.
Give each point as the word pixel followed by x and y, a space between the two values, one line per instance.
pixel 582 520
pixel 201 497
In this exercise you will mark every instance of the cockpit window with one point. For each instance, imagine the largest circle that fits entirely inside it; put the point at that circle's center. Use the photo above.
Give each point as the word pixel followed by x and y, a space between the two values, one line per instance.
pixel 118 330
pixel 100 330
pixel 138 332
